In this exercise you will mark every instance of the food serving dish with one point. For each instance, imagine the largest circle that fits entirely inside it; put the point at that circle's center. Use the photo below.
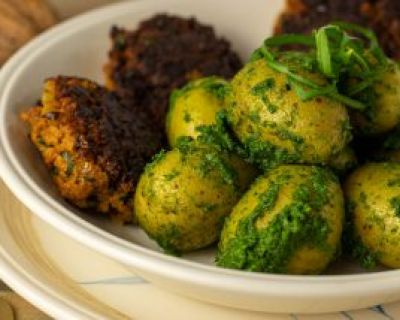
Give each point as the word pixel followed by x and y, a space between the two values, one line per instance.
pixel 73 286
pixel 78 47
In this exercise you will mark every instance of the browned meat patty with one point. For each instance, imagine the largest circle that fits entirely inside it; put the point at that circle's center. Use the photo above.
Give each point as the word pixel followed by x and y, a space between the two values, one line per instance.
pixel 94 147
pixel 383 16
pixel 164 53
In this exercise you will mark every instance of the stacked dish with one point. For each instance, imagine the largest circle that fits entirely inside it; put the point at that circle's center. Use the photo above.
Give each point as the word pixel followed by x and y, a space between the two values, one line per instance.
pixel 61 51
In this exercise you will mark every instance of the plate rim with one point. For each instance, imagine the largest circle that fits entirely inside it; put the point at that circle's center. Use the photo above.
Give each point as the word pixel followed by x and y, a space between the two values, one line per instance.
pixel 20 281
pixel 124 251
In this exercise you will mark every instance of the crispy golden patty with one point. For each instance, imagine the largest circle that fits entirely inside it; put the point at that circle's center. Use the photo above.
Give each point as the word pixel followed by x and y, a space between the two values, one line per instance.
pixel 164 53
pixel 94 147
pixel 383 16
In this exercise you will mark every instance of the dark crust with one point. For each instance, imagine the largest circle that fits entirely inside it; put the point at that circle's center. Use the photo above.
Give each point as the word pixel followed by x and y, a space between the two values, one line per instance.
pixel 117 139
pixel 383 16
pixel 164 53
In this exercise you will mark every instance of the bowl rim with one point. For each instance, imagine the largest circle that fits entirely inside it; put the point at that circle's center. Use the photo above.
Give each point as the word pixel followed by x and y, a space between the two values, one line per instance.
pixel 48 209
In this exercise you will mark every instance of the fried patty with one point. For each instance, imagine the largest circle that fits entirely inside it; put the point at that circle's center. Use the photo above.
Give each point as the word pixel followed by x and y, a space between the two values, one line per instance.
pixel 164 53
pixel 94 147
pixel 383 16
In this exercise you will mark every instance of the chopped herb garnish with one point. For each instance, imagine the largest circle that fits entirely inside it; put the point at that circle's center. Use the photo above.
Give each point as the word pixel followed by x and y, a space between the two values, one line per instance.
pixel 341 51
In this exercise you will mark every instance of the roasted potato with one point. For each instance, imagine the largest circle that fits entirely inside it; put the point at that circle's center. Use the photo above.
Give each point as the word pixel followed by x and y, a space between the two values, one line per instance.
pixel 290 221
pixel 184 195
pixel 276 126
pixel 194 105
pixel 373 196
pixel 383 112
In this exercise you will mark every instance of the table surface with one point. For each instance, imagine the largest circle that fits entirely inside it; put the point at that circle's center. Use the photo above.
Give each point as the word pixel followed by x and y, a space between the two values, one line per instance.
pixel 12 306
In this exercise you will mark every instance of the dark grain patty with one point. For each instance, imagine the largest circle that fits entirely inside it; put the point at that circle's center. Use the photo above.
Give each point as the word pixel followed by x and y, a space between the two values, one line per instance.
pixel 164 53
pixel 94 147
pixel 383 16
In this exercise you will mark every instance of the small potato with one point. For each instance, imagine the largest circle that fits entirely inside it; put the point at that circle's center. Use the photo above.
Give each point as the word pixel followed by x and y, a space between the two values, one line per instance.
pixel 194 105
pixel 384 113
pixel 373 194
pixel 290 221
pixel 183 196
pixel 271 120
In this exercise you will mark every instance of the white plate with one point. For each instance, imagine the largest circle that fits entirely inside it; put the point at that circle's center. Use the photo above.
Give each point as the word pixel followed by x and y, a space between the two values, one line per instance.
pixel 70 281
pixel 79 47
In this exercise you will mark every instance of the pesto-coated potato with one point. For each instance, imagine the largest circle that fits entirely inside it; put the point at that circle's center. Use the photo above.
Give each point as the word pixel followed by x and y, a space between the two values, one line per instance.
pixel 290 221
pixel 184 195
pixel 344 161
pixel 194 105
pixel 384 113
pixel 373 195
pixel 269 117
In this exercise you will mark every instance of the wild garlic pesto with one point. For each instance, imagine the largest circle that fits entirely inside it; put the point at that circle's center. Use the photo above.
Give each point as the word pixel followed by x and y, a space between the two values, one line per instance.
pixel 184 195
pixel 290 221
pixel 374 192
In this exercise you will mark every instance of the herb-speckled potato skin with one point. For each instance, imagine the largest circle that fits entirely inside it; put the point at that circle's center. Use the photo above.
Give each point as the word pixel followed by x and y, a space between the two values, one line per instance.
pixel 271 230
pixel 384 115
pixel 373 194
pixel 194 105
pixel 181 206
pixel 264 107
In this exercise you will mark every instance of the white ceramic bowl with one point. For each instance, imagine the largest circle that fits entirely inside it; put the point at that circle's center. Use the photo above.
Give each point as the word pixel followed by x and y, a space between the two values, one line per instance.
pixel 79 47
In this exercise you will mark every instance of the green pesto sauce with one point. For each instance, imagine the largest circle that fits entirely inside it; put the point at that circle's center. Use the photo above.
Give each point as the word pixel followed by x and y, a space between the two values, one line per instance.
pixel 166 239
pixel 267 155
pixel 211 159
pixel 395 204
pixel 270 249
pixel 261 88
pixel 154 161
pixel 352 244
pixel 218 87
pixel 364 256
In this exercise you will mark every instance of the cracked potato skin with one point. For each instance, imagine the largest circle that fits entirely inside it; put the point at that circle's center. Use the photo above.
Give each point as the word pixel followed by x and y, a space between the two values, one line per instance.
pixel 373 196
pixel 94 148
